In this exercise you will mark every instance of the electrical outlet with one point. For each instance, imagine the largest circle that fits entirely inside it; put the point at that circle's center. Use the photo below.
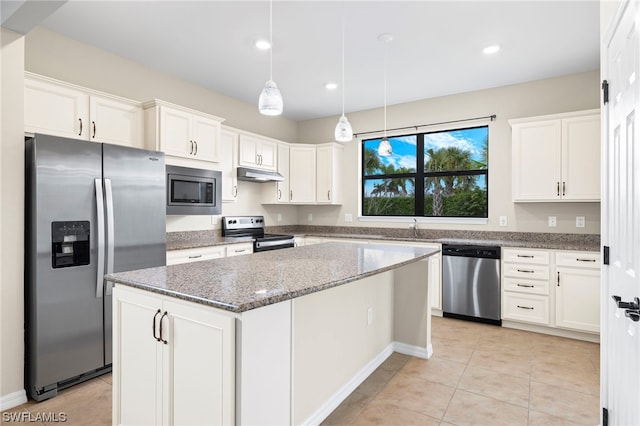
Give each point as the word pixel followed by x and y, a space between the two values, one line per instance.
pixel 503 221
pixel 552 221
pixel 580 221
pixel 279 217
pixel 369 316
pixel 214 220
pixel 348 217
pixel 309 217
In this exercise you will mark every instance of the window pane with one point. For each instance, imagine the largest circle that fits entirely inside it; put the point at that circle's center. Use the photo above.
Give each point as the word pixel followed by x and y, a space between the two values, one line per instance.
pixel 402 159
pixel 453 150
pixel 389 197
pixel 456 195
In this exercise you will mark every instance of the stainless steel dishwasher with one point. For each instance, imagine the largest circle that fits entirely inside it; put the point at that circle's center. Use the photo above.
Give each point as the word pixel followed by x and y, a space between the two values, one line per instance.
pixel 471 283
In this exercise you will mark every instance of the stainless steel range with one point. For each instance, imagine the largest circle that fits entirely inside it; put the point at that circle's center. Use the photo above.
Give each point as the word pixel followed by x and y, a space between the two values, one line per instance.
pixel 253 226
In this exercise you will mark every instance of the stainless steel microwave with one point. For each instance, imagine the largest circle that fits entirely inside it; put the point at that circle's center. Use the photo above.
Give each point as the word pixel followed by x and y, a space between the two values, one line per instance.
pixel 193 191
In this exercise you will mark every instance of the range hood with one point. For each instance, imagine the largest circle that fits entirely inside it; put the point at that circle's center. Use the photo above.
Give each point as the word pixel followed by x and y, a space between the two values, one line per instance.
pixel 256 175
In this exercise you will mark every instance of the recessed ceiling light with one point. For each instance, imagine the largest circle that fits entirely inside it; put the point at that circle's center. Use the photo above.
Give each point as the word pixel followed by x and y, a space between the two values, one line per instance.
pixel 491 49
pixel 331 86
pixel 263 44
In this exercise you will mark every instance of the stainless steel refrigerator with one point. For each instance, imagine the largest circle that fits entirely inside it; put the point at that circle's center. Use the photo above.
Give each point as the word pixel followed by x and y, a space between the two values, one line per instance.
pixel 91 209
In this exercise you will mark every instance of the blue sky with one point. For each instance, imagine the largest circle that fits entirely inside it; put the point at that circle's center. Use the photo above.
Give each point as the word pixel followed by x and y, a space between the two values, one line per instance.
pixel 404 147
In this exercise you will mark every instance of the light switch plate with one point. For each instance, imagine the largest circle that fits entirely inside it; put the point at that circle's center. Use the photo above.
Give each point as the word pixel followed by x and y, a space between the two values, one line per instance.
pixel 310 217
pixel 279 217
pixel 580 221
pixel 552 221
pixel 503 221
pixel 348 217
pixel 214 220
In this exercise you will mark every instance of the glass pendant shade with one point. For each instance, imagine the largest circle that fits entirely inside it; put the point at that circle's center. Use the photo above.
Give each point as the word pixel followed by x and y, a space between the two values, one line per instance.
pixel 270 101
pixel 384 149
pixel 344 132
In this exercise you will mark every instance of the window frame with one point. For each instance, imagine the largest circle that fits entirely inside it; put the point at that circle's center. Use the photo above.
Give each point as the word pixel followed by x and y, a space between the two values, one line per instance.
pixel 419 177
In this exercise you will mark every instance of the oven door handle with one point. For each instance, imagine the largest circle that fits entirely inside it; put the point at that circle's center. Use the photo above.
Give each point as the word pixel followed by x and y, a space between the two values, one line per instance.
pixel 264 244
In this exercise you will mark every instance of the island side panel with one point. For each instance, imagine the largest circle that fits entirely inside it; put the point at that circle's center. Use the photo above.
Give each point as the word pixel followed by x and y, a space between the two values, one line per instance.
pixel 340 336
pixel 412 310
pixel 263 366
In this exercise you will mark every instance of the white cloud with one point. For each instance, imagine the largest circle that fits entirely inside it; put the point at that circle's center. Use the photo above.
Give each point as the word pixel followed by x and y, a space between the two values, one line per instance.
pixel 446 140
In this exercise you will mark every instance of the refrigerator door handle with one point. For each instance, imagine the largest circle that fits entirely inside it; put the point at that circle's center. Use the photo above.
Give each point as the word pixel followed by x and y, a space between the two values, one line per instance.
pixel 110 230
pixel 100 233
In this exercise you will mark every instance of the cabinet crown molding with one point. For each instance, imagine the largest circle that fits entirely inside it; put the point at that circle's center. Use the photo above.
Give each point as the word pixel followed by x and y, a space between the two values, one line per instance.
pixel 554 116
pixel 161 103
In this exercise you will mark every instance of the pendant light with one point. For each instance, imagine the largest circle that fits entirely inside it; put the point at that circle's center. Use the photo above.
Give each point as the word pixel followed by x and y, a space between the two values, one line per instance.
pixel 343 132
pixel 270 100
pixel 384 149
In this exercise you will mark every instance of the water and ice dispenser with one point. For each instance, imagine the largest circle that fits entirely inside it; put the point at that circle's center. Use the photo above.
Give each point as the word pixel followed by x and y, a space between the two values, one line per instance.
pixel 69 244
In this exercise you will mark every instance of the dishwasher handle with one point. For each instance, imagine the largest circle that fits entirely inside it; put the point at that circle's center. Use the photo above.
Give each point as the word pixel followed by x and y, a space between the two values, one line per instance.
pixel 486 252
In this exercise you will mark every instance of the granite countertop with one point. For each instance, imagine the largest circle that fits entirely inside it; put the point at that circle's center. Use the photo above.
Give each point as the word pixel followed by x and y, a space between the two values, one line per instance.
pixel 541 240
pixel 242 283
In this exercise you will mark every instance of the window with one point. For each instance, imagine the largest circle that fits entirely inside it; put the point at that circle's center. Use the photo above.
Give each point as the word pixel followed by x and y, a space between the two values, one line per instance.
pixel 436 174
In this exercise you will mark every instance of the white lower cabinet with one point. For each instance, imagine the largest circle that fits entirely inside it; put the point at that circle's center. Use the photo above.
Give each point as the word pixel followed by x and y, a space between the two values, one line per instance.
pixel 557 289
pixel 175 257
pixel 173 361
pixel 578 291
pixel 239 249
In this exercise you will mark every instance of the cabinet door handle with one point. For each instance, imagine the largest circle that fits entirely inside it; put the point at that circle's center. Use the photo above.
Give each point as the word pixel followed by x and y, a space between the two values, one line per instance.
pixel 558 280
pixel 291 195
pixel 196 144
pixel 161 318
pixel 80 132
pixel 558 189
pixel 329 195
pixel 525 285
pixel 94 129
pixel 235 191
pixel 191 151
pixel 154 325
pixel 528 256
pixel 585 260
pixel 563 188
pixel 528 271
pixel 279 194
pixel 195 256
pixel 521 307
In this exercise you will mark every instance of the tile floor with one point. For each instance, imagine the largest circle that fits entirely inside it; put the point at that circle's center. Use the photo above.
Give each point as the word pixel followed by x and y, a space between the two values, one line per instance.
pixel 478 375
pixel 481 375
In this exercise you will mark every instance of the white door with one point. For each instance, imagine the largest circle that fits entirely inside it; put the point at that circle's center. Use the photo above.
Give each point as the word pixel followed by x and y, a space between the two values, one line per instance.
pixel 620 350
pixel 115 122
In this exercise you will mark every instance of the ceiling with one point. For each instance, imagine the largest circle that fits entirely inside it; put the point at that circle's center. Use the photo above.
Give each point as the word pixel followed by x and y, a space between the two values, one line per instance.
pixel 436 48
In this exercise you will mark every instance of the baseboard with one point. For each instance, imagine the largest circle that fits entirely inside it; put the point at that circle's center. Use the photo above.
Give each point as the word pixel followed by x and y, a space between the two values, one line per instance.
pixel 412 350
pixel 12 400
pixel 346 390
pixel 570 334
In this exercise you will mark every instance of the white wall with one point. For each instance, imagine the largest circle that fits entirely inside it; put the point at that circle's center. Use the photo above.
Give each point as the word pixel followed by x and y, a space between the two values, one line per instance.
pixel 11 218
pixel 569 93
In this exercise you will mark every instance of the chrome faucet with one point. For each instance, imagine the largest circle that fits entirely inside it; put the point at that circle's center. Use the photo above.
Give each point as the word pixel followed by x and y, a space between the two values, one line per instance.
pixel 415 227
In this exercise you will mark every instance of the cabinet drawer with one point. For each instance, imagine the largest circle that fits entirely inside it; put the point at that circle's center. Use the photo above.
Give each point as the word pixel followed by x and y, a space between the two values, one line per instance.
pixel 578 259
pixel 527 308
pixel 540 257
pixel 239 249
pixel 175 257
pixel 523 285
pixel 526 271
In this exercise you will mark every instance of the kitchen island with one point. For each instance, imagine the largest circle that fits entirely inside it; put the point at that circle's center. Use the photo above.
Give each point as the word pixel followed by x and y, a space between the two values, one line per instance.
pixel 278 337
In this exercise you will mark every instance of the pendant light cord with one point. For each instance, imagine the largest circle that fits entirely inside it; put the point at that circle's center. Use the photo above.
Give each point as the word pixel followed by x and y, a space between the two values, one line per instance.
pixel 343 60
pixel 386 50
pixel 271 40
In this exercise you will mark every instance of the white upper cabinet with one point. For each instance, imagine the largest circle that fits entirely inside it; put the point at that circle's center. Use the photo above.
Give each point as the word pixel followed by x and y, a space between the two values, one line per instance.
pixel 257 152
pixel 302 174
pixel 328 173
pixel 182 132
pixel 556 157
pixel 279 192
pixel 62 109
pixel 228 164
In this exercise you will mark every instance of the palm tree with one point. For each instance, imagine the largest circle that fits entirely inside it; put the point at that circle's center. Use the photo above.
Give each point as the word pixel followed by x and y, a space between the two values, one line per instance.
pixel 436 163
pixel 457 159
